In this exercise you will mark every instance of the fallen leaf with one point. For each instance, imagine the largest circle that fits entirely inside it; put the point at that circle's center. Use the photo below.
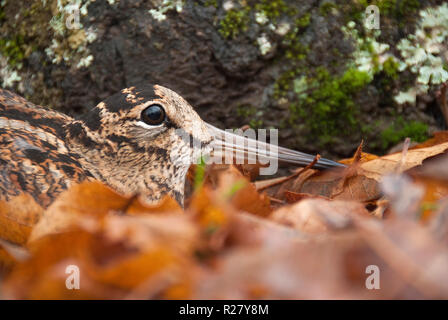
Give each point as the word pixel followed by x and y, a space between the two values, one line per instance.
pixel 96 200
pixel 17 217
pixel 377 168
pixel 330 184
pixel 318 215
pixel 410 250
pixel 236 189
pixel 292 197
pixel 438 138
pixel 10 255
pixel 365 157
pixel 114 257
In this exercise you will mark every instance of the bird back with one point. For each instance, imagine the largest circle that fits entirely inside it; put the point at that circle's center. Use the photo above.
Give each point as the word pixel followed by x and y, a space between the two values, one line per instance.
pixel 33 155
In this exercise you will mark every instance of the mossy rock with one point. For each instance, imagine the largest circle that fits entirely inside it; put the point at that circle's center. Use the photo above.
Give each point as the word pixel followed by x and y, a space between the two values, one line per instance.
pixel 211 56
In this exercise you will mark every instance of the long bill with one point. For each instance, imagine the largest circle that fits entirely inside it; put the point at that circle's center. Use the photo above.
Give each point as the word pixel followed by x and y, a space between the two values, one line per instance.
pixel 255 151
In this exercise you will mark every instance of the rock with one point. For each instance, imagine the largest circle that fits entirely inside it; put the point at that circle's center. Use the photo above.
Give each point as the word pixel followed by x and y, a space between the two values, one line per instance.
pixel 218 75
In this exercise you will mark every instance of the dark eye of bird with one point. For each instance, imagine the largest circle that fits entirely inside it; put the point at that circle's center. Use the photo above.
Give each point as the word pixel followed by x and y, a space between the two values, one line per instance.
pixel 154 115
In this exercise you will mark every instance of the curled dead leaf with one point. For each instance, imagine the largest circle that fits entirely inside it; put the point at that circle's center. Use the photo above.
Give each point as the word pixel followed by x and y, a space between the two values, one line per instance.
pixel 377 168
pixel 115 256
pixel 96 200
pixel 319 215
pixel 17 218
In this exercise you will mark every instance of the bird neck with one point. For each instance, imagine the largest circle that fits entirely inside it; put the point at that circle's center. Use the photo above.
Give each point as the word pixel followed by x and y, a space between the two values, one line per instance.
pixel 124 168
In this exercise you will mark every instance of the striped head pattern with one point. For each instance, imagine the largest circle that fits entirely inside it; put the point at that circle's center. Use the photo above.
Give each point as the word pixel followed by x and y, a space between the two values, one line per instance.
pixel 138 141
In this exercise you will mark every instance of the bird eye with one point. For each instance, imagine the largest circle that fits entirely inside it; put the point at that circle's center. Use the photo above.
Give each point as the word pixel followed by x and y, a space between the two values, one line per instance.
pixel 154 115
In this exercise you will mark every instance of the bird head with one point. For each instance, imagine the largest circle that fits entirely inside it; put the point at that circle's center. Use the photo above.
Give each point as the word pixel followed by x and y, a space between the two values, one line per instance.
pixel 140 140
pixel 143 140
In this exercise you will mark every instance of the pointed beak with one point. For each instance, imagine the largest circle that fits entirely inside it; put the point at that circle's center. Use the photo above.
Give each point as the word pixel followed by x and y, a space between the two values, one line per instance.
pixel 252 149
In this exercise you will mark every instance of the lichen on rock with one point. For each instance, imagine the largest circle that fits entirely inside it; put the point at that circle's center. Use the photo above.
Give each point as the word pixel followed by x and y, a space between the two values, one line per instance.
pixel 300 66
pixel 425 53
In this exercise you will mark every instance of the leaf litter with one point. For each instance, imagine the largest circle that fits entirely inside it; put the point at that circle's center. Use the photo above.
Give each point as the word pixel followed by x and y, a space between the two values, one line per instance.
pixel 310 235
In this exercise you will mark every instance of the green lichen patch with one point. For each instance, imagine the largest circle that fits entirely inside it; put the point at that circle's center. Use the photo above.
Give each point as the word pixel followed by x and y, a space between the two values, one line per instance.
pixel 14 50
pixel 40 27
pixel 422 53
pixel 294 48
pixel 391 68
pixel 273 9
pixel 159 13
pixel 401 129
pixel 20 37
pixel 211 3
pixel 327 7
pixel 250 115
pixel 235 22
pixel 2 14
pixel 327 105
pixel 394 8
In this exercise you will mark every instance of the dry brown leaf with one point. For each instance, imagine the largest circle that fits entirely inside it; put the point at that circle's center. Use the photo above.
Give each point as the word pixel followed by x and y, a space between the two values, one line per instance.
pixel 212 214
pixel 293 197
pixel 166 205
pixel 360 185
pixel 365 157
pixel 330 184
pixel 231 185
pixel 377 168
pixel 96 200
pixel 433 177
pixel 277 187
pixel 434 191
pixel 411 251
pixel 250 171
pixel 338 187
pixel 115 256
pixel 10 255
pixel 283 266
pixel 318 247
pixel 17 217
pixel 269 183
pixel 246 197
pixel 340 184
pixel 434 169
pixel 7 261
pixel 318 215
pixel 438 138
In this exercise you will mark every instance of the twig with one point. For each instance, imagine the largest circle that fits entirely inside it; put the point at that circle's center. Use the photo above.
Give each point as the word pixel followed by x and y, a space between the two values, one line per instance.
pixel 441 94
pixel 295 174
pixel 404 153
pixel 350 171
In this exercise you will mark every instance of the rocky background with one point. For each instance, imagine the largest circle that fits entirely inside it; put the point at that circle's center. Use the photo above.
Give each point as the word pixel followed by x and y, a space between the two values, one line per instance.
pixel 310 68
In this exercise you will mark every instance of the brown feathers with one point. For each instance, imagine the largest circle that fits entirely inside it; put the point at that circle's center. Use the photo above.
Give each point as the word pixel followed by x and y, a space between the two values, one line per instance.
pixel 43 152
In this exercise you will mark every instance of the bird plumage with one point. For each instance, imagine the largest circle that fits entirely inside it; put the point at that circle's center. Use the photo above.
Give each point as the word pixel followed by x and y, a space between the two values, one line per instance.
pixel 140 140
pixel 43 152
pixel 34 158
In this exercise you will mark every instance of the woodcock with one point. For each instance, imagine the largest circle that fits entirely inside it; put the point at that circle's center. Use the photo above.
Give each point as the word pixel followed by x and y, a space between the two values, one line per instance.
pixel 130 141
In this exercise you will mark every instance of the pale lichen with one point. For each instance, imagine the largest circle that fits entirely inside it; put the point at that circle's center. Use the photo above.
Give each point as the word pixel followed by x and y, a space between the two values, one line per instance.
pixel 160 12
pixel 261 18
pixel 263 44
pixel 283 28
pixel 228 5
pixel 8 75
pixel 369 54
pixel 425 53
pixel 70 41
